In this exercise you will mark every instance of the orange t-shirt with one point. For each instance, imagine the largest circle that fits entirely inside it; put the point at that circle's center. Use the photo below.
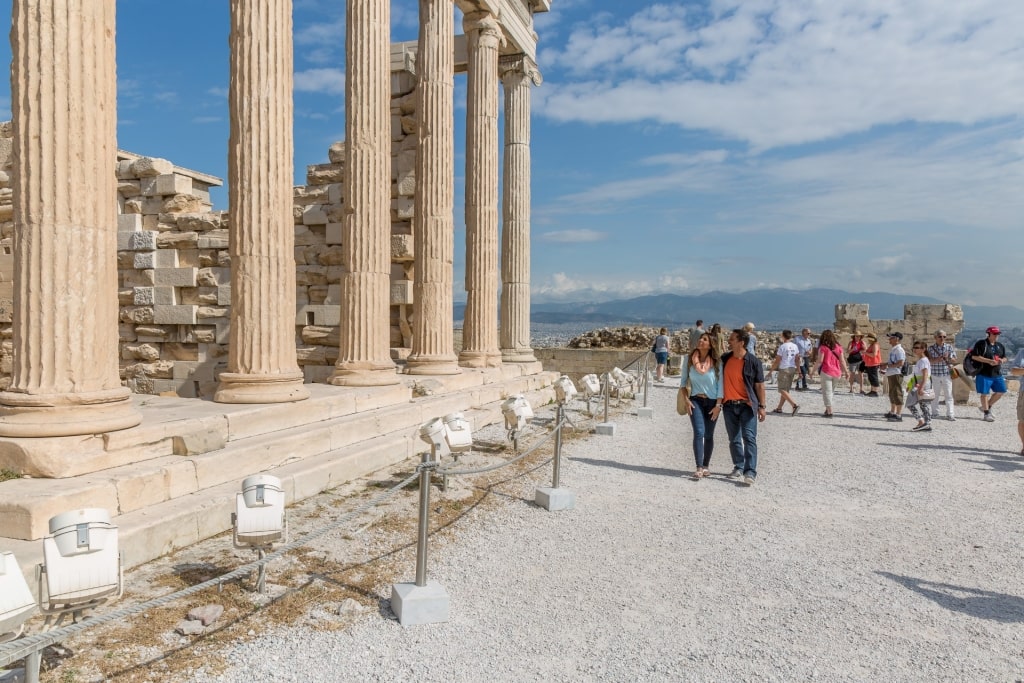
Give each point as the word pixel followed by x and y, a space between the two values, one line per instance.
pixel 734 387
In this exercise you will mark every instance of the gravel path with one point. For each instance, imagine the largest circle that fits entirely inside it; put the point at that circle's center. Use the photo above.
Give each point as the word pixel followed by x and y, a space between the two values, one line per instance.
pixel 864 552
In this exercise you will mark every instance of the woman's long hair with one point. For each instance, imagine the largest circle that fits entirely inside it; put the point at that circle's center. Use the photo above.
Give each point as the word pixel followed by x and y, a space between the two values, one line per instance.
pixel 828 338
pixel 712 350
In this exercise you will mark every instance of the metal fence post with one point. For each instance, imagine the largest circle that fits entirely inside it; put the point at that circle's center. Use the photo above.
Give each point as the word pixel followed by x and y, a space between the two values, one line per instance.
pixel 424 521
pixel 607 393
pixel 559 417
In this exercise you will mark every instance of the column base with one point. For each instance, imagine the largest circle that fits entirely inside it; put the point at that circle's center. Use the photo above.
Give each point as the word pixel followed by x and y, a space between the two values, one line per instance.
pixel 432 365
pixel 518 355
pixel 480 359
pixel 363 374
pixel 31 415
pixel 236 387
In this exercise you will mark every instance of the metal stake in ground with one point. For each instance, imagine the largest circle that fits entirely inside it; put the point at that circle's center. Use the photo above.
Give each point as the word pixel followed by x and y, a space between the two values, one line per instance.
pixel 424 601
pixel 555 497
pixel 606 428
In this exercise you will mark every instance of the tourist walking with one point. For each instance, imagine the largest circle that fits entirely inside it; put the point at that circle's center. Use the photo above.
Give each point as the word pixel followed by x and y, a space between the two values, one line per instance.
pixel 743 405
pixel 695 334
pixel 702 375
pixel 921 393
pixel 751 338
pixel 660 350
pixel 872 359
pixel 831 366
pixel 989 353
pixel 718 339
pixel 1018 371
pixel 806 346
pixel 942 356
pixel 785 362
pixel 894 377
pixel 855 361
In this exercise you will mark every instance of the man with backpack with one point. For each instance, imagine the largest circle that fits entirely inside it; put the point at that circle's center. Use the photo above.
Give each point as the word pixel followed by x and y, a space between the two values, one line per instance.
pixel 989 354
pixel 894 377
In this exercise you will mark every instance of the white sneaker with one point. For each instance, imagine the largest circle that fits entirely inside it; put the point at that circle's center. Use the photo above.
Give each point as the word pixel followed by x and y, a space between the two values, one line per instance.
pixel 748 481
pixel 988 417
pixel 951 418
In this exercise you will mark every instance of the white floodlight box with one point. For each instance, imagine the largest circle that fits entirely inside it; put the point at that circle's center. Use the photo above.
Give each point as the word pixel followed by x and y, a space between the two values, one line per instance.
pixel 458 433
pixel 259 512
pixel 80 560
pixel 591 385
pixel 435 433
pixel 565 390
pixel 16 601
pixel 517 411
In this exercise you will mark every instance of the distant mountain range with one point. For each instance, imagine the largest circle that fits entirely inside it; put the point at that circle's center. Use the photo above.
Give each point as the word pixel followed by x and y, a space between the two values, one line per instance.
pixel 767 308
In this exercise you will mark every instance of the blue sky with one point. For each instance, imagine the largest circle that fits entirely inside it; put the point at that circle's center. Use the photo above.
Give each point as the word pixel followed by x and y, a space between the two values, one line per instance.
pixel 691 145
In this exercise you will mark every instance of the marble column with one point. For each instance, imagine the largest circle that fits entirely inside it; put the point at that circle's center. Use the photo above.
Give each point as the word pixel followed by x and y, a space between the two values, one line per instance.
pixel 364 357
pixel 480 329
pixel 433 229
pixel 517 74
pixel 262 365
pixel 65 377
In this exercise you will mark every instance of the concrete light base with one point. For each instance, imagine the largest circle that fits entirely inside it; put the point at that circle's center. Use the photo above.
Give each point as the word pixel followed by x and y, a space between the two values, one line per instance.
pixel 645 413
pixel 605 429
pixel 414 605
pixel 554 500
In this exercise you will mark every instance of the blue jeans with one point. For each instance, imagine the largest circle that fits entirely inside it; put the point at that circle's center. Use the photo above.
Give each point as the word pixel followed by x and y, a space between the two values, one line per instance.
pixel 703 430
pixel 741 426
pixel 805 369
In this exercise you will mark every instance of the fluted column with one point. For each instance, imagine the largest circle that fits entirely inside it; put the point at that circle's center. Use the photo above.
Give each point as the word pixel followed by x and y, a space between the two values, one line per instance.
pixel 480 328
pixel 64 103
pixel 364 357
pixel 517 75
pixel 262 365
pixel 433 230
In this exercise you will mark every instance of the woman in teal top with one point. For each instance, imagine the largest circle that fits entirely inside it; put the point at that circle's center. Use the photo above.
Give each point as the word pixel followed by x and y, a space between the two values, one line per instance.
pixel 702 372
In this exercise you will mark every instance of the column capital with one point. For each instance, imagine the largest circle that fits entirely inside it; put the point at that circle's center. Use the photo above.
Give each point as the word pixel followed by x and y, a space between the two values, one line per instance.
pixel 519 66
pixel 486 25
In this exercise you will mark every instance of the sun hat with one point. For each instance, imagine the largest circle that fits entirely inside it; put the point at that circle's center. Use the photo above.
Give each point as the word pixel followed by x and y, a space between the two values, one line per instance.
pixel 857 334
pixel 871 336
pixel 992 330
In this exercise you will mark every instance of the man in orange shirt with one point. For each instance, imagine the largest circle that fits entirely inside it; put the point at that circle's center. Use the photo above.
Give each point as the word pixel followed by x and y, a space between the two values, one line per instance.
pixel 743 405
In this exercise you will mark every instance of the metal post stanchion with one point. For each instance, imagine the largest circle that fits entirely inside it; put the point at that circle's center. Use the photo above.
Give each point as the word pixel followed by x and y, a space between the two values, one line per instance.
pixel 644 411
pixel 556 497
pixel 421 602
pixel 559 417
pixel 606 428
pixel 32 665
pixel 424 522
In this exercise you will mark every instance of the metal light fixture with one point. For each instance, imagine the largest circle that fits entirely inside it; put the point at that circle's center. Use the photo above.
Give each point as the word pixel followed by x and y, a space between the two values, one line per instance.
pixel 517 412
pixel 591 385
pixel 16 601
pixel 81 564
pixel 435 433
pixel 259 520
pixel 458 433
pixel 565 390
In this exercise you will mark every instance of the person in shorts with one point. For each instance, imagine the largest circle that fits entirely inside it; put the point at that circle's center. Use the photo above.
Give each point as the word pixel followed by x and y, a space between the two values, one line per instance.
pixel 894 377
pixel 872 359
pixel 660 349
pixel 785 362
pixel 989 354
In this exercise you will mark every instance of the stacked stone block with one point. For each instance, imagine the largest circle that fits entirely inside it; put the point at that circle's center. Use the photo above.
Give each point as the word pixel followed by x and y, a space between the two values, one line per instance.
pixel 919 323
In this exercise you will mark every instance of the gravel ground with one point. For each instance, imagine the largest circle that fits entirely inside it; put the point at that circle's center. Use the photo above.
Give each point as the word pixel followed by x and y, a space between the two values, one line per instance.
pixel 864 552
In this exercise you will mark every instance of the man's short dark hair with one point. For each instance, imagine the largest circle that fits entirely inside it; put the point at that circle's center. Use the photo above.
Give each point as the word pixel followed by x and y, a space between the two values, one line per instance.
pixel 787 334
pixel 742 335
pixel 699 323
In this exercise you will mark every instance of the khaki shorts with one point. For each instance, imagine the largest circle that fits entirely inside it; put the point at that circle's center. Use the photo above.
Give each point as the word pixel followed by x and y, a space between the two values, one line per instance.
pixel 786 379
pixel 895 386
pixel 1020 406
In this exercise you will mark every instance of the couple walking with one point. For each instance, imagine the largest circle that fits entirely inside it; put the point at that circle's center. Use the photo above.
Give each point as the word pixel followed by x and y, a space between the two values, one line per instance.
pixel 732 385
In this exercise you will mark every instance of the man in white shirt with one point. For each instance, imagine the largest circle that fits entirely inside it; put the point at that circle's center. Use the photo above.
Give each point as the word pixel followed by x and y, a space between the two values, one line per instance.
pixel 785 362
pixel 806 345
pixel 894 377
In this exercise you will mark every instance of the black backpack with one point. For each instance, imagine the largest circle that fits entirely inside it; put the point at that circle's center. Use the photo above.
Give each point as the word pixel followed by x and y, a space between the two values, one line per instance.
pixel 971 368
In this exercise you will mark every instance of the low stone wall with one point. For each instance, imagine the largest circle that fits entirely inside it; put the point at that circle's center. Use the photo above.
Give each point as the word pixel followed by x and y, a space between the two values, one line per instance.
pixel 578 362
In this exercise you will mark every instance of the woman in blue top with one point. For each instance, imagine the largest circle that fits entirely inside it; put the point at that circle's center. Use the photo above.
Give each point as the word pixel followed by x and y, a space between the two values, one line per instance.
pixel 702 372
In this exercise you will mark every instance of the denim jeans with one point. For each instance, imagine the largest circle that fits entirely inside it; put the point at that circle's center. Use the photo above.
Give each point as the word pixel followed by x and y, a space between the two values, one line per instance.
pixel 703 430
pixel 741 426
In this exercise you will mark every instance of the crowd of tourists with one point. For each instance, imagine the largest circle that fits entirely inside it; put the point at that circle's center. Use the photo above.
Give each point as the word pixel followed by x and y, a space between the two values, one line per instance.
pixel 722 375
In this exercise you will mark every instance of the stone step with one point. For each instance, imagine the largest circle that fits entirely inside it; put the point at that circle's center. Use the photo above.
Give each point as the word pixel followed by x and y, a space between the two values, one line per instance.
pixel 169 502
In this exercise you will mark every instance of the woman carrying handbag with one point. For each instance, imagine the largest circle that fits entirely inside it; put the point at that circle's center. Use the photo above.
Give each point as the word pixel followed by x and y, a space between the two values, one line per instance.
pixel 920 393
pixel 701 383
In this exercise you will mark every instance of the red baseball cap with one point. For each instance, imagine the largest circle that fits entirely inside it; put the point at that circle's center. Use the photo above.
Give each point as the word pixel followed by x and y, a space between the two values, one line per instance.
pixel 992 330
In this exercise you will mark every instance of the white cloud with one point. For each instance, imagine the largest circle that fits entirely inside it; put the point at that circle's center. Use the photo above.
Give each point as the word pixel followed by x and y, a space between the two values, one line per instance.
pixel 330 81
pixel 327 33
pixel 572 236
pixel 561 286
pixel 783 72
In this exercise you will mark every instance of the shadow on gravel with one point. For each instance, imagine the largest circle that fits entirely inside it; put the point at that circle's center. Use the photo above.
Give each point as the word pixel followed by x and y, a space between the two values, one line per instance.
pixel 662 471
pixel 1008 609
pixel 996 460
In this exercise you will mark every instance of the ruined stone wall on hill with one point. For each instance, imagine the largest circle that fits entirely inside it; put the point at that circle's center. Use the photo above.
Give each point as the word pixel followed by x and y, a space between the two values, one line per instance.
pixel 174 269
